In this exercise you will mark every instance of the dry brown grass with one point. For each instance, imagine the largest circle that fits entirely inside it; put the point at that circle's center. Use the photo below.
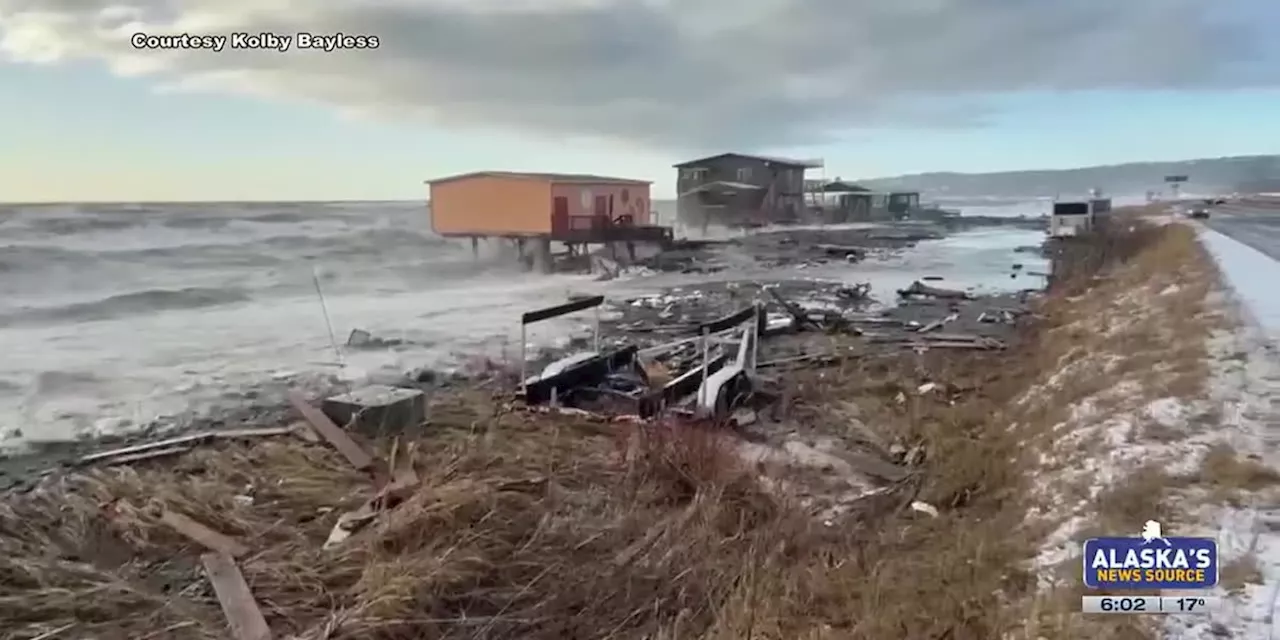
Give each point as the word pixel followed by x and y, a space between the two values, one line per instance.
pixel 559 527
pixel 1228 476
pixel 892 574
pixel 1239 573
pixel 1128 325
pixel 522 528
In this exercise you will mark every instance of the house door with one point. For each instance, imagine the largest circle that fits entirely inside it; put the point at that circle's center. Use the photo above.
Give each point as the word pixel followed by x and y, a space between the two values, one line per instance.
pixel 602 206
pixel 560 215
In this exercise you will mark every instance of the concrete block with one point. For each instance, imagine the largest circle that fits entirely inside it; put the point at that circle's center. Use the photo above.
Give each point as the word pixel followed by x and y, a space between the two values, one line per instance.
pixel 378 410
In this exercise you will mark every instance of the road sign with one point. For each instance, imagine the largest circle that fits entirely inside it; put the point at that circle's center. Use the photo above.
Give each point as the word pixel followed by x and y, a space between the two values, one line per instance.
pixel 1175 179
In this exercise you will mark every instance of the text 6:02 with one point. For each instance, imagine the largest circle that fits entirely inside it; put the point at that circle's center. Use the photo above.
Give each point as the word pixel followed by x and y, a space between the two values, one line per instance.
pixel 1124 604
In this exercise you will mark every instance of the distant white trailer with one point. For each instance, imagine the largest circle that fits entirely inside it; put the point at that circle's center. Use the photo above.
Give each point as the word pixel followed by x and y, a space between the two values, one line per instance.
pixel 1074 218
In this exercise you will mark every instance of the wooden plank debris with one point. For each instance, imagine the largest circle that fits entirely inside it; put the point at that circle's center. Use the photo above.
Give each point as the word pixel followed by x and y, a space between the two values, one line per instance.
pixel 238 605
pixel 251 432
pixel 801 318
pixel 335 436
pixel 179 444
pixel 976 345
pixel 170 443
pixel 937 324
pixel 201 534
pixel 404 482
pixel 144 455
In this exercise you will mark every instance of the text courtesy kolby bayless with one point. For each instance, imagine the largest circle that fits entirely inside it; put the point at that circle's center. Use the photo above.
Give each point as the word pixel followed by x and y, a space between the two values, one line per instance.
pixel 251 41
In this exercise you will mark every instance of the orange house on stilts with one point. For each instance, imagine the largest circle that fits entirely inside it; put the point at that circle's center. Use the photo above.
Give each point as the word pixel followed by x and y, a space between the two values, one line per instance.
pixel 576 209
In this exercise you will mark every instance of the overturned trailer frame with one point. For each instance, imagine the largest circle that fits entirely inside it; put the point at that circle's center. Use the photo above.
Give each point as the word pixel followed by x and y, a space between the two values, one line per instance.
pixel 569 371
pixel 715 382
pixel 715 375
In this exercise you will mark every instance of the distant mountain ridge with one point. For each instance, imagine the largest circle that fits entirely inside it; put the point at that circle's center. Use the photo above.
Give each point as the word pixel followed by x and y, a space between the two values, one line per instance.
pixel 1205 175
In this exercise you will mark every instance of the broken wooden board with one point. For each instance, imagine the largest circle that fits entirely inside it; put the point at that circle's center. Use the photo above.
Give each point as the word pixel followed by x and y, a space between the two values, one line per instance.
pixel 203 535
pixel 977 346
pixel 251 432
pixel 238 605
pixel 144 456
pixel 801 318
pixel 334 435
pixel 179 444
pixel 184 442
pixel 400 488
pixel 956 337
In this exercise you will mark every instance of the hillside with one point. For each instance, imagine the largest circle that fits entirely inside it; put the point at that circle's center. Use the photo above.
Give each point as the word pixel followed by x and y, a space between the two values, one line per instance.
pixel 1207 175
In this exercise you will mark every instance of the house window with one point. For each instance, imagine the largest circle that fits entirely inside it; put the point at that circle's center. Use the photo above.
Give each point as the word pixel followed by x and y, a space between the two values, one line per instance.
pixel 744 174
pixel 693 173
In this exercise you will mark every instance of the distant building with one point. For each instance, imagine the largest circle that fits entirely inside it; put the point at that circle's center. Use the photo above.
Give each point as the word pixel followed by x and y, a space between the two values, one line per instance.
pixel 576 209
pixel 840 201
pixel 736 189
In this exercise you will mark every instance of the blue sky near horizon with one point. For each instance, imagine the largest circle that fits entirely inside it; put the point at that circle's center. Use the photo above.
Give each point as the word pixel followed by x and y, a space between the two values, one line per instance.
pixel 88 136
pixel 76 131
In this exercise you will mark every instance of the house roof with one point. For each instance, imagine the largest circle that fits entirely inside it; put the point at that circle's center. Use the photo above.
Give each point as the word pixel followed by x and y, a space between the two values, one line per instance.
pixel 534 175
pixel 840 186
pixel 790 162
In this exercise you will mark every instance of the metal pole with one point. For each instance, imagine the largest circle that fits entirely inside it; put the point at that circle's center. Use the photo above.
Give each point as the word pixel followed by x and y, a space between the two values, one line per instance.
pixel 524 388
pixel 706 365
pixel 597 335
pixel 755 336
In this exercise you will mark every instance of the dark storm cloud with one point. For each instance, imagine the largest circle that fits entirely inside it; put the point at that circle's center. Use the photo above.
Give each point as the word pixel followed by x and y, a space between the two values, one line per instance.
pixel 701 73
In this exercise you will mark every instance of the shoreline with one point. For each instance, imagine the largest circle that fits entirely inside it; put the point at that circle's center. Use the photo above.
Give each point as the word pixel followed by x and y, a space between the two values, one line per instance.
pixel 780 256
pixel 864 491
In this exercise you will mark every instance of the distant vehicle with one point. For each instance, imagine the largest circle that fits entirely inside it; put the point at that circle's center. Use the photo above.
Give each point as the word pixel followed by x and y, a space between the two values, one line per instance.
pixel 1199 213
pixel 1074 218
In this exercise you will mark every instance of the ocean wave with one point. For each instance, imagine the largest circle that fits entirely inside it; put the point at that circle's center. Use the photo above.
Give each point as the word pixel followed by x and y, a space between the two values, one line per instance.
pixel 64 220
pixel 61 226
pixel 225 251
pixel 221 221
pixel 127 304
pixel 196 222
pixel 378 240
pixel 52 383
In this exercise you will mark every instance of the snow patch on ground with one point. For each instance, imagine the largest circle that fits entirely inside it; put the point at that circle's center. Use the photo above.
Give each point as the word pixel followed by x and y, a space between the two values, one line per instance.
pixel 1252 276
pixel 1246 383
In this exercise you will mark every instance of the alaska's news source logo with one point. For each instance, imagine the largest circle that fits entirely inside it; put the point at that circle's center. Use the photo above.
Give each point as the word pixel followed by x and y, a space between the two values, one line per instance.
pixel 1150 562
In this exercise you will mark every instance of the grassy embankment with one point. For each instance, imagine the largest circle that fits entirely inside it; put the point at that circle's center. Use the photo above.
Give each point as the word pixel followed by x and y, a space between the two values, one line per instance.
pixel 1128 424
pixel 535 526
